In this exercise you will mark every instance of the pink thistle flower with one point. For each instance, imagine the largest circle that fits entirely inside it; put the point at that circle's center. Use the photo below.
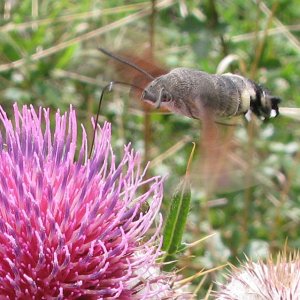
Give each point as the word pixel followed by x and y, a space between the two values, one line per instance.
pixel 74 229
pixel 262 281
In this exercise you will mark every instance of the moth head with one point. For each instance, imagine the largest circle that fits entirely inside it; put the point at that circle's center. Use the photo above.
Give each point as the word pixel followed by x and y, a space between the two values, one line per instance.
pixel 156 92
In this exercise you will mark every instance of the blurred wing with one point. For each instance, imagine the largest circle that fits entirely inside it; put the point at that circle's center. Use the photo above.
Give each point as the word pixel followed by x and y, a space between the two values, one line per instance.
pixel 222 167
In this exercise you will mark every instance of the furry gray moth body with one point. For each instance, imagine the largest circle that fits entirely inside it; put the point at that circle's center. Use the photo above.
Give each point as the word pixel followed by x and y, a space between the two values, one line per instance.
pixel 194 93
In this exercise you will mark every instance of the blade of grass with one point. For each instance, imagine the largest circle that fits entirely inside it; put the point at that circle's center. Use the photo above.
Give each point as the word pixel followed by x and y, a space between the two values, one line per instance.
pixel 200 273
pixel 89 35
pixel 292 39
pixel 261 44
pixel 177 217
pixel 170 152
pixel 69 18
pixel 281 29
pixel 290 112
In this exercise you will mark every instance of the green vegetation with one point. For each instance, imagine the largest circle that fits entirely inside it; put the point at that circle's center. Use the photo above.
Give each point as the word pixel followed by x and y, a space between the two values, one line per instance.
pixel 250 198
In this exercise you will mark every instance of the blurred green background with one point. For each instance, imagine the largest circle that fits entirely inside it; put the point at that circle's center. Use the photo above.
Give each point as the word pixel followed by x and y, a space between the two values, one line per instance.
pixel 49 57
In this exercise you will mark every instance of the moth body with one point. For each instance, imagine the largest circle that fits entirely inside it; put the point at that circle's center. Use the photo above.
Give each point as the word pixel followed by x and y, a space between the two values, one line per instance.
pixel 195 93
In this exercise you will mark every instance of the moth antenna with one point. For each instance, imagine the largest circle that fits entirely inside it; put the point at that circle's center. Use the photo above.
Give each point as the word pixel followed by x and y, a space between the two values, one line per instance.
pixel 109 88
pixel 126 62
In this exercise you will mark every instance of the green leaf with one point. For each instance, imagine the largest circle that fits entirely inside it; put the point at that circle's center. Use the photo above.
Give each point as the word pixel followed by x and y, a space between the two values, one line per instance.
pixel 177 217
pixel 66 57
